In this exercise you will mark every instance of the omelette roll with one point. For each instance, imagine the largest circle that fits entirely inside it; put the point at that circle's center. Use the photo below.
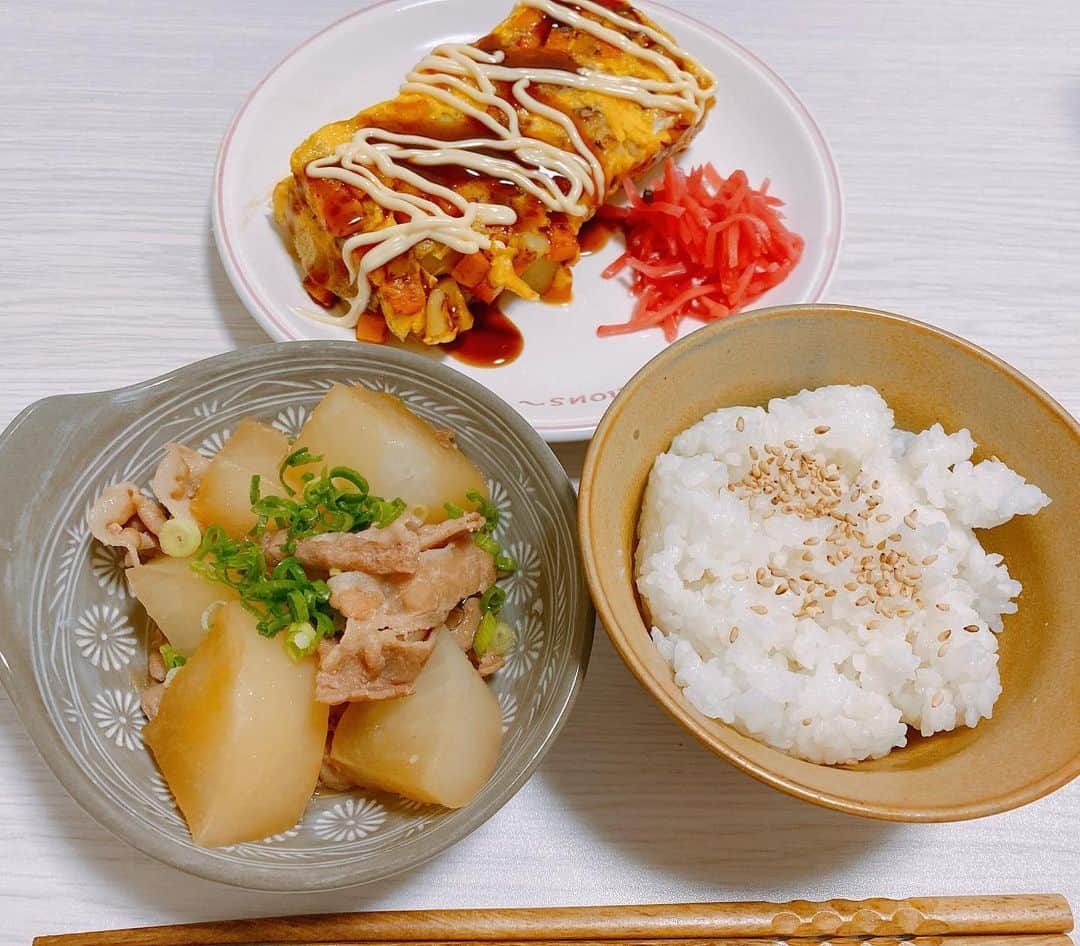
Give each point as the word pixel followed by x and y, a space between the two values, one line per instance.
pixel 477 178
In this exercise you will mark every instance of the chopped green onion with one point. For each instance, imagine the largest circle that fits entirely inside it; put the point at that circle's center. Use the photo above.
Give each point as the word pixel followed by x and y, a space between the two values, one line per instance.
pixel 486 508
pixel 487 543
pixel 452 511
pixel 505 562
pixel 387 512
pixel 298 606
pixel 172 657
pixel 493 599
pixel 301 640
pixel 180 538
pixel 485 633
pixel 337 500
pixel 350 476
pixel 207 617
pixel 494 637
pixel 299 457
pixel 503 639
pixel 324 625
pixel 284 598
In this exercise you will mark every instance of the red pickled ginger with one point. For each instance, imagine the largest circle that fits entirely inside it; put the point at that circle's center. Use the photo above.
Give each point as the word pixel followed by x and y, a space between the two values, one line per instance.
pixel 699 245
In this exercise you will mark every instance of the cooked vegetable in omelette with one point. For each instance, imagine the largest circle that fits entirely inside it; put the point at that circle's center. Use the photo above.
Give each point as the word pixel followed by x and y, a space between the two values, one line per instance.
pixel 477 178
pixel 312 629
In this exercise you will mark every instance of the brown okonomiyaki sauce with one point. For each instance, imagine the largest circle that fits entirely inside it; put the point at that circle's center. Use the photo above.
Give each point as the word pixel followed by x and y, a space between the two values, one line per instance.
pixel 595 234
pixel 493 340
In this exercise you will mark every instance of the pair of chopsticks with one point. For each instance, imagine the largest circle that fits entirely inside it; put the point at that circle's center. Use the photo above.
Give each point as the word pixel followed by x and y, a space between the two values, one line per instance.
pixel 1017 920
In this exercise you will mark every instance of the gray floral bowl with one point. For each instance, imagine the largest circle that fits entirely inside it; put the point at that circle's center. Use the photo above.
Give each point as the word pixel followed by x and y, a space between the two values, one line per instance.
pixel 73 641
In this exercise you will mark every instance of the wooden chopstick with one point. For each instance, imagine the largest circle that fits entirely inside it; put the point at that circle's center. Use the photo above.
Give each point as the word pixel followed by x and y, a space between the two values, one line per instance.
pixel 1022 920
pixel 1007 939
pixel 180 936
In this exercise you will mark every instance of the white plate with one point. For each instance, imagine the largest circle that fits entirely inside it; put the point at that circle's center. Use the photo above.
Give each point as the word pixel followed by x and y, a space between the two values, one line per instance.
pixel 566 376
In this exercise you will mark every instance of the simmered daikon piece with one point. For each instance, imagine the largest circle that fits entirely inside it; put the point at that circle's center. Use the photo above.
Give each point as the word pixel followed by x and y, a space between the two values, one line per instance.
pixel 176 598
pixel 224 494
pixel 438 745
pixel 239 736
pixel 397 453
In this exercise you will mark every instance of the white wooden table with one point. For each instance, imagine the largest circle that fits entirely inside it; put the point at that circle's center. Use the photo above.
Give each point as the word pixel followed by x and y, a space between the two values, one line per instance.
pixel 957 130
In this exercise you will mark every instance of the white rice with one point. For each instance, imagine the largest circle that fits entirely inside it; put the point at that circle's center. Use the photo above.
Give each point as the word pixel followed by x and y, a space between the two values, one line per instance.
pixel 825 673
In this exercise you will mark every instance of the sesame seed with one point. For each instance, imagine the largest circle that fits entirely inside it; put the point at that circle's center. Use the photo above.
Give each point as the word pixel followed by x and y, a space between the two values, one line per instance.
pixel 754 455
pixel 740 424
pixel 909 519
pixel 740 576
pixel 941 606
pixel 876 485
pixel 733 636
pixel 945 634
pixel 881 517
pixel 971 628
pixel 813 540
pixel 759 609
pixel 895 537
pixel 822 429
pixel 929 560
pixel 808 721
pixel 873 625
pixel 781 590
pixel 790 444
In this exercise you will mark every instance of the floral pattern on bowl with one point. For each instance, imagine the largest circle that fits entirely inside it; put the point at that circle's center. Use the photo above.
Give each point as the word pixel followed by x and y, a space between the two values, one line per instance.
pixel 75 640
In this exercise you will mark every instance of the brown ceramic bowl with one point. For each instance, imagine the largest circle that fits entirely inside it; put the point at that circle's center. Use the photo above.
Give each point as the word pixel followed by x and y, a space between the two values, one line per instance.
pixel 1032 744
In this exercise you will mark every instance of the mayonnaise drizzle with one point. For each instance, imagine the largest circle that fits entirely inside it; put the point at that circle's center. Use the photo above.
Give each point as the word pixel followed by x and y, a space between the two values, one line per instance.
pixel 464 77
